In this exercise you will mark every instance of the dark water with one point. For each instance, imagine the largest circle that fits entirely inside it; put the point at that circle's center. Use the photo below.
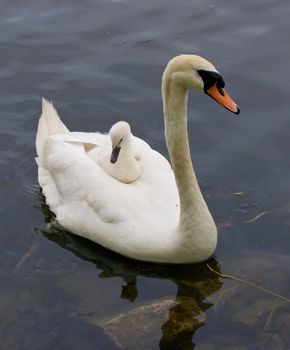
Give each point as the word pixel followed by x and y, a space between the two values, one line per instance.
pixel 101 61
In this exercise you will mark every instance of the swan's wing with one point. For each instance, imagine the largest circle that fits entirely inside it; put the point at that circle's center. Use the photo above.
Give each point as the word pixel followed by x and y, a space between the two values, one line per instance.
pixel 89 202
pixel 90 141
pixel 92 137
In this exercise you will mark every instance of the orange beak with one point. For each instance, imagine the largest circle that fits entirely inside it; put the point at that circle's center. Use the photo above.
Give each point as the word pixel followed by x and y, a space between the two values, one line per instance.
pixel 222 97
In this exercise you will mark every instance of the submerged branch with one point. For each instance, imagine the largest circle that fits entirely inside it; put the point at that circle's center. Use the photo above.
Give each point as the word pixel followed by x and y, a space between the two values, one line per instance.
pixel 248 283
pixel 256 217
pixel 26 256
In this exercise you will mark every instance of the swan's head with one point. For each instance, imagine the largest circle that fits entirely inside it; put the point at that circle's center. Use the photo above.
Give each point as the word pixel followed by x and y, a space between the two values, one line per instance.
pixel 120 134
pixel 195 72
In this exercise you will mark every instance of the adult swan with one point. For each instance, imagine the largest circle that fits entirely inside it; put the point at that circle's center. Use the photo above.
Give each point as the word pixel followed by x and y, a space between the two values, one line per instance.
pixel 162 216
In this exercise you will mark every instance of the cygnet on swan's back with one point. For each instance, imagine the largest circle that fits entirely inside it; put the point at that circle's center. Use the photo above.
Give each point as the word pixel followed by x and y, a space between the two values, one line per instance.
pixel 122 164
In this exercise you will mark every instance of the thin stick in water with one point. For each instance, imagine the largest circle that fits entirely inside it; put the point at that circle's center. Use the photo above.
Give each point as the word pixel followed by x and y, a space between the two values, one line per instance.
pixel 248 283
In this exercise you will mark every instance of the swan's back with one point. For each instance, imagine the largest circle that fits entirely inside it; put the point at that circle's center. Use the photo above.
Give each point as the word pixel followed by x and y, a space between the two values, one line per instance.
pixel 133 219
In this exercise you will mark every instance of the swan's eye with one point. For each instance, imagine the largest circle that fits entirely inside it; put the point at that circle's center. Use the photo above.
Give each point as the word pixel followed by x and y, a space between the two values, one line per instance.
pixel 121 140
pixel 210 79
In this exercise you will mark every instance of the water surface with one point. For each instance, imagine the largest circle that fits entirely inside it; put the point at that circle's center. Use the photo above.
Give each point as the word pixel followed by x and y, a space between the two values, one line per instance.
pixel 102 61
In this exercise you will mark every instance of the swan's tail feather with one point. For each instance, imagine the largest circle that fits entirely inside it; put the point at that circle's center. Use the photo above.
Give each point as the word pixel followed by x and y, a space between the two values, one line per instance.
pixel 49 124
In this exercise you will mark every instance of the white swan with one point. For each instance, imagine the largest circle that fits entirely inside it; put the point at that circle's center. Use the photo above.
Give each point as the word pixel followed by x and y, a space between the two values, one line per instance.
pixel 122 163
pixel 161 217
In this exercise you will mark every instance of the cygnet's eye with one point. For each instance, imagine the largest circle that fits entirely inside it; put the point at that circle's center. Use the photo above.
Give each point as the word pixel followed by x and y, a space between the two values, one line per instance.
pixel 121 140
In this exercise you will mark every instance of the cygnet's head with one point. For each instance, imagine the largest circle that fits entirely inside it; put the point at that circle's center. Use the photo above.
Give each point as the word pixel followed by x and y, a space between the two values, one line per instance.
pixel 195 72
pixel 120 134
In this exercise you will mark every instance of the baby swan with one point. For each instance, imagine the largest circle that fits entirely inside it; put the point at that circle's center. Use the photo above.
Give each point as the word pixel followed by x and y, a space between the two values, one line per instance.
pixel 122 165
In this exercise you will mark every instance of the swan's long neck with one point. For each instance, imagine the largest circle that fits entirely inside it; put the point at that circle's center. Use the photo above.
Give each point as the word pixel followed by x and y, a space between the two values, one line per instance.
pixel 192 204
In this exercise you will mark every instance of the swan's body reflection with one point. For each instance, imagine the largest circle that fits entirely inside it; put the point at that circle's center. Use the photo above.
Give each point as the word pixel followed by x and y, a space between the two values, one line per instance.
pixel 194 283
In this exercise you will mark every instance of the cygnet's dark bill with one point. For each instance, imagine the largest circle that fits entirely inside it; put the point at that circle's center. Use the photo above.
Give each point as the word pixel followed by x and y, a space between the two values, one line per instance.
pixel 115 154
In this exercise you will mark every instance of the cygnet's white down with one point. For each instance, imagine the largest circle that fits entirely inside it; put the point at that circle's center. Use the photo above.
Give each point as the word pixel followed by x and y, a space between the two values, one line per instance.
pixel 123 161
pixel 156 213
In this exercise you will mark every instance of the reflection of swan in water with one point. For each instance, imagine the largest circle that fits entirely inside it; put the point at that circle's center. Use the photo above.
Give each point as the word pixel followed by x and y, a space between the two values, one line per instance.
pixel 194 283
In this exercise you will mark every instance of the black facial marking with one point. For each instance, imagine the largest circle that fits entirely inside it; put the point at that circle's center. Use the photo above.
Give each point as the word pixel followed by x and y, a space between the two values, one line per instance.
pixel 210 78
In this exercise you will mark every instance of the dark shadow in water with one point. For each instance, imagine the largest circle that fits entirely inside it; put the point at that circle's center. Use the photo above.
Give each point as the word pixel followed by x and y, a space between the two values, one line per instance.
pixel 194 282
